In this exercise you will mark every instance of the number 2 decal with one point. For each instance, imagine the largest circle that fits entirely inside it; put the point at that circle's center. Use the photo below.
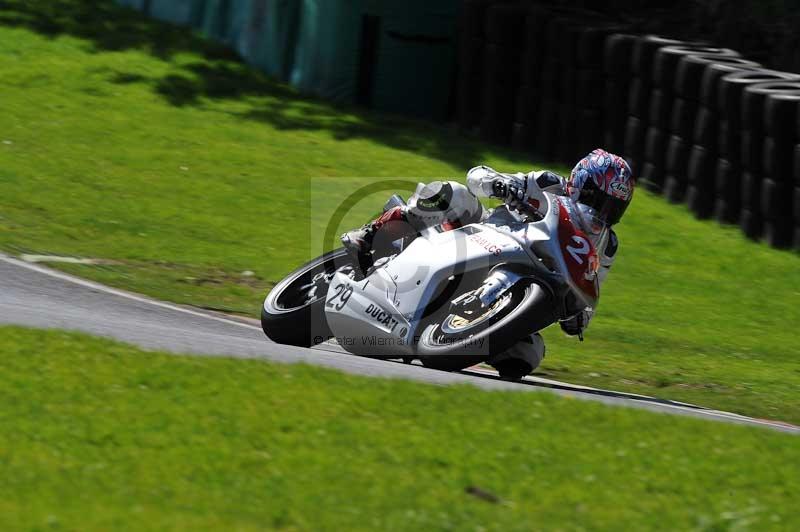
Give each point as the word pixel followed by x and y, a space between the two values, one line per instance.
pixel 343 293
pixel 577 252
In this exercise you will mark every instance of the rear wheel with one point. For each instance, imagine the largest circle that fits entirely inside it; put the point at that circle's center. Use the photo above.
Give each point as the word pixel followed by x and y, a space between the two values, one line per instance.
pixel 459 338
pixel 294 310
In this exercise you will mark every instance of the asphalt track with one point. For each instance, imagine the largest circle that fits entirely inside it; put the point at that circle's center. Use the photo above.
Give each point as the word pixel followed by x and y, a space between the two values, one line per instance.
pixel 34 296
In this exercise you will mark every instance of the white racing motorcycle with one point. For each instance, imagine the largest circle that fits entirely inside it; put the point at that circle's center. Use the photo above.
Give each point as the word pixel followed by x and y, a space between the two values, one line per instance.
pixel 449 298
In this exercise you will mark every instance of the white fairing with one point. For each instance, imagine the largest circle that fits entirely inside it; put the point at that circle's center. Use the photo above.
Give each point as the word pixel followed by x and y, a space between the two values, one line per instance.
pixel 384 309
pixel 382 312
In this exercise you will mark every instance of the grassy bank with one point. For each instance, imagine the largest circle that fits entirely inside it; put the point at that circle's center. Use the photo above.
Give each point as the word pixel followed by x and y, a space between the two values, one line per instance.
pixel 196 179
pixel 98 435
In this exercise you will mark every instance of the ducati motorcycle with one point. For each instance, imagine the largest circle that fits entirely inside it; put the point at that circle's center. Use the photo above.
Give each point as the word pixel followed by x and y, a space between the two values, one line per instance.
pixel 450 298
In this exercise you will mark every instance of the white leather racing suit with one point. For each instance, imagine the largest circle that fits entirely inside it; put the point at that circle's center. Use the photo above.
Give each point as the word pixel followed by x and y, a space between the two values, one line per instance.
pixel 521 193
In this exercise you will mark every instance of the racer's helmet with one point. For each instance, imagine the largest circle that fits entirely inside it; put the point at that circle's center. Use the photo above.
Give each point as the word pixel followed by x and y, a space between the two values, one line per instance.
pixel 603 182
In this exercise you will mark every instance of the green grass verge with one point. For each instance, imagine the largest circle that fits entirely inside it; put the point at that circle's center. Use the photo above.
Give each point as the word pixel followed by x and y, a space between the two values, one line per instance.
pixel 97 435
pixel 128 140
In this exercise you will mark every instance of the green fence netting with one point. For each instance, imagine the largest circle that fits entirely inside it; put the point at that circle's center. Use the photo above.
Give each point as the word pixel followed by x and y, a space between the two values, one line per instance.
pixel 141 5
pixel 228 21
pixel 184 12
pixel 215 19
pixel 327 53
pixel 269 39
pixel 393 56
pixel 239 15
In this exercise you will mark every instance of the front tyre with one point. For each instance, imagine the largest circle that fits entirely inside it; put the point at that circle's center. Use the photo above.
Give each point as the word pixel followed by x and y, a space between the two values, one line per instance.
pixel 457 340
pixel 294 310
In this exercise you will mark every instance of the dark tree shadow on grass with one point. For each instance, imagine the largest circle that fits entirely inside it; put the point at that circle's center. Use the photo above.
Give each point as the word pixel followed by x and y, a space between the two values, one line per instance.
pixel 221 75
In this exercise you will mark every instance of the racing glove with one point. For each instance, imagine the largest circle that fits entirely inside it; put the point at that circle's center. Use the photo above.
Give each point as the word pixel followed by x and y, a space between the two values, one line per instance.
pixel 486 182
pixel 509 189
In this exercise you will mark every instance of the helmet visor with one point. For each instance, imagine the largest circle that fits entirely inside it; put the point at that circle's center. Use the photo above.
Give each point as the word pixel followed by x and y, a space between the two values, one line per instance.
pixel 607 209
pixel 612 210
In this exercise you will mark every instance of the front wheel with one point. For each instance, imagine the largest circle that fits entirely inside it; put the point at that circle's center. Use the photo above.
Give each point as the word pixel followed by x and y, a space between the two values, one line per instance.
pixel 294 310
pixel 459 339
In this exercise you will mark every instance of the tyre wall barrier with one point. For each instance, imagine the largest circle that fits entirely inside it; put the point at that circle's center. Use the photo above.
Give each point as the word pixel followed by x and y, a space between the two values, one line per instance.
pixel 469 79
pixel 680 112
pixel 504 34
pixel 652 170
pixel 672 112
pixel 415 59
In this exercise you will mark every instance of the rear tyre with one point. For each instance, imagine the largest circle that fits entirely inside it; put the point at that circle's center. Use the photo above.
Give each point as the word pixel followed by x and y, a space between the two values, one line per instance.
pixel 455 340
pixel 294 311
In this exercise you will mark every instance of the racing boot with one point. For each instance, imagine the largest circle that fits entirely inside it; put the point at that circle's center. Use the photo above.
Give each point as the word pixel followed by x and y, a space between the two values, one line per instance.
pixel 575 325
pixel 520 359
pixel 358 244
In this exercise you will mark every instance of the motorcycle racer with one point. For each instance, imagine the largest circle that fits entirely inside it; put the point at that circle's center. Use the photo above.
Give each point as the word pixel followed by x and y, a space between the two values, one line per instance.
pixel 600 187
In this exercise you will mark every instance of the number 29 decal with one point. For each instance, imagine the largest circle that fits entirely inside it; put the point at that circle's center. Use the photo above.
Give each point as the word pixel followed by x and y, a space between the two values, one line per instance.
pixel 343 293
pixel 579 254
pixel 582 250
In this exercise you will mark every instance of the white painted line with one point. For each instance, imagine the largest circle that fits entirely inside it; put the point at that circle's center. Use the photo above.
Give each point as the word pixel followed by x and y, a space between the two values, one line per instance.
pixel 667 403
pixel 67 260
